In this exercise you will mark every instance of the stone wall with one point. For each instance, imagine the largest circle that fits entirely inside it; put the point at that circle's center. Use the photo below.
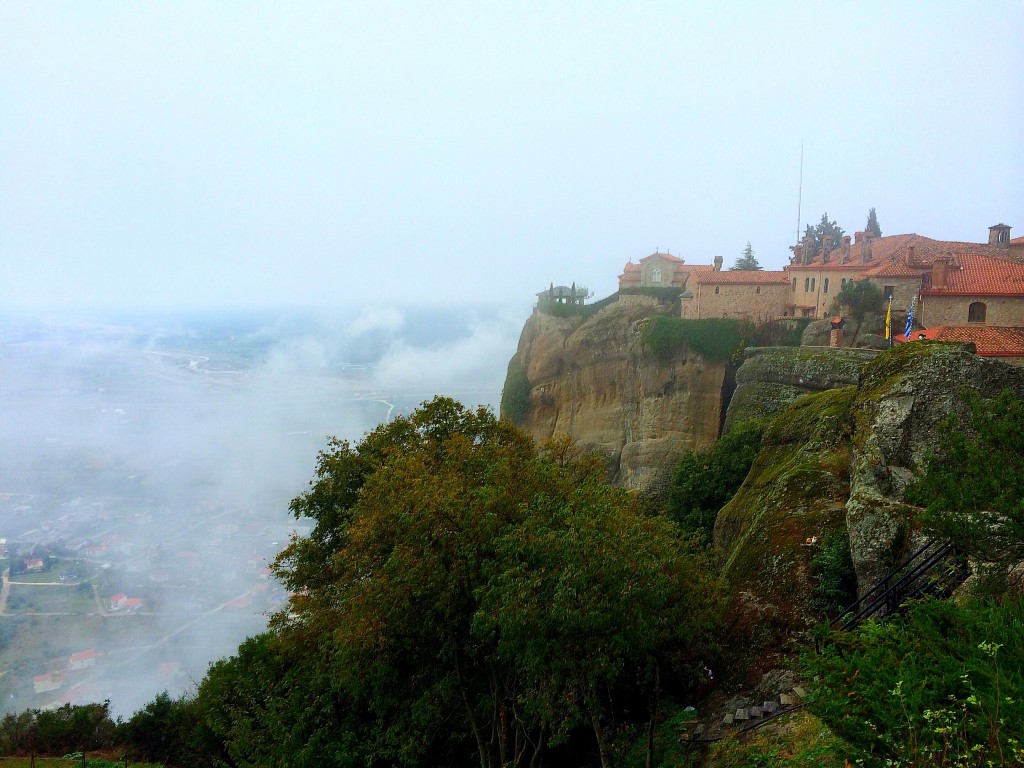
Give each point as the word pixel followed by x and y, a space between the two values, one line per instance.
pixel 952 310
pixel 753 302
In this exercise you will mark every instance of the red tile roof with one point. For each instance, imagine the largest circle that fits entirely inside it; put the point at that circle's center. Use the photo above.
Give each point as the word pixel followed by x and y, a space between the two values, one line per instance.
pixel 739 277
pixel 990 340
pixel 892 267
pixel 982 275
pixel 913 250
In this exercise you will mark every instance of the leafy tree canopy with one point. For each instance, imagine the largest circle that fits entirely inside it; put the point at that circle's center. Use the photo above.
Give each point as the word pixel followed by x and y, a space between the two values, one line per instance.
pixel 858 299
pixel 815 236
pixel 477 591
pixel 747 261
pixel 705 480
pixel 872 225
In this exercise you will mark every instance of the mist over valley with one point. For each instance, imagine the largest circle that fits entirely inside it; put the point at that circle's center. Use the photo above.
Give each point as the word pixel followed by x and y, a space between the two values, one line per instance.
pixel 147 464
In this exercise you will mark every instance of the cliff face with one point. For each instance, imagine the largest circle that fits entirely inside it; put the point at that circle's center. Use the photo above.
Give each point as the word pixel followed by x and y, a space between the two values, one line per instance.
pixel 839 463
pixel 596 381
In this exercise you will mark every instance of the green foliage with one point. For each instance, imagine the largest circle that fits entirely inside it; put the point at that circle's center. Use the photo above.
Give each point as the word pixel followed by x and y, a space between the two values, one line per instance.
pixel 804 742
pixel 57 731
pixel 167 731
pixel 819 232
pixel 719 339
pixel 859 298
pixel 941 688
pixel 747 261
pixel 515 394
pixel 872 225
pixel 470 594
pixel 835 580
pixel 705 480
pixel 973 487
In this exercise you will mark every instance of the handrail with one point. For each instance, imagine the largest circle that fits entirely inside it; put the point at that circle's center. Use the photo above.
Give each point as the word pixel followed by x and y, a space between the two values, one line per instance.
pixel 880 584
pixel 895 587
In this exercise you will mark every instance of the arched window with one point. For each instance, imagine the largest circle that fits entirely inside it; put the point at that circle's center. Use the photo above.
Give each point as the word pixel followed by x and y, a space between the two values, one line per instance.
pixel 824 286
pixel 976 312
pixel 655 275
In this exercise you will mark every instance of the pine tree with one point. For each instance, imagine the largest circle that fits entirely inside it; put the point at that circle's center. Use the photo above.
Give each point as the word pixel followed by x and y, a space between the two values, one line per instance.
pixel 872 225
pixel 747 260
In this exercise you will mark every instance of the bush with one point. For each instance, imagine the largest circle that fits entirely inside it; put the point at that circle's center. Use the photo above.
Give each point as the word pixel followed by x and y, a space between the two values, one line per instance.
pixel 943 687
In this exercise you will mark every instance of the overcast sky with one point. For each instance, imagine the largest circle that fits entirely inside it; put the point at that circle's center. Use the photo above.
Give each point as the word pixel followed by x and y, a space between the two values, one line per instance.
pixel 229 155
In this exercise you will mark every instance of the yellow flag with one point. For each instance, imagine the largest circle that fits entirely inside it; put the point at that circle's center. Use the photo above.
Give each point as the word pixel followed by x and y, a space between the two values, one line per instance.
pixel 888 321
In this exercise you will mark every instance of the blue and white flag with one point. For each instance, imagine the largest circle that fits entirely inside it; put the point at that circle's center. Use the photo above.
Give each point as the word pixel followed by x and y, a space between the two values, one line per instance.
pixel 910 320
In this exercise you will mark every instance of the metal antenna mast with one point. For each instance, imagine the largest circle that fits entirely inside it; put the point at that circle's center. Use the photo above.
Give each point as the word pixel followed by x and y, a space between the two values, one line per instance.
pixel 800 194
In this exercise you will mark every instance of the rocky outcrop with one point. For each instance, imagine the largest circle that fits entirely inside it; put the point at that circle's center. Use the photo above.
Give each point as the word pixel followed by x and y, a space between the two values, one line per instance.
pixel 773 377
pixel 839 462
pixel 596 381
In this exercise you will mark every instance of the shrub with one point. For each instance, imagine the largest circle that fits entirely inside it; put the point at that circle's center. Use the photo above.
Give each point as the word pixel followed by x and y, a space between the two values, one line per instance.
pixel 835 581
pixel 942 687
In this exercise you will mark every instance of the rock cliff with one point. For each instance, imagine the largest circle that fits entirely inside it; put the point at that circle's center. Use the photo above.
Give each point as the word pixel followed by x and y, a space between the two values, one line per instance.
pixel 596 381
pixel 839 463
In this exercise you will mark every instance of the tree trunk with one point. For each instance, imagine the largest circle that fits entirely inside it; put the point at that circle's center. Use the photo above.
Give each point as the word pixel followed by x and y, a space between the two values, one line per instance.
pixel 652 705
pixel 602 748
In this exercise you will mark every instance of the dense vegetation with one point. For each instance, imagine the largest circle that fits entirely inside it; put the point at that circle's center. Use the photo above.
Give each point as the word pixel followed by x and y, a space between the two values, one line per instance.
pixel 942 688
pixel 705 480
pixel 466 598
pixel 720 339
pixel 515 394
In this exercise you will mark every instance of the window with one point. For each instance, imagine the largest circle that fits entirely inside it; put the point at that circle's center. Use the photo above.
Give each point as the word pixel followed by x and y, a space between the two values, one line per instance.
pixel 976 312
pixel 888 292
pixel 794 283
pixel 807 284
pixel 926 280
pixel 824 286
pixel 716 289
pixel 758 289
pixel 812 283
pixel 655 275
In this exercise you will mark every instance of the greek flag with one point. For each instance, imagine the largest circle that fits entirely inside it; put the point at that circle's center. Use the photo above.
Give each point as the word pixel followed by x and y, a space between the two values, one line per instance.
pixel 910 320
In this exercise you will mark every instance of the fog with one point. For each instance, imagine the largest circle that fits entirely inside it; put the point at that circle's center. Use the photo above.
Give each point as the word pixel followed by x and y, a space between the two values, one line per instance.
pixel 149 462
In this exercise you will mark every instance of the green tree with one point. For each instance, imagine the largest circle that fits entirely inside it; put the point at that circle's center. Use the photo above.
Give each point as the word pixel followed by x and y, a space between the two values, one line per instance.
pixel 747 261
pixel 872 225
pixel 858 299
pixel 816 235
pixel 973 487
pixel 705 480
pixel 471 585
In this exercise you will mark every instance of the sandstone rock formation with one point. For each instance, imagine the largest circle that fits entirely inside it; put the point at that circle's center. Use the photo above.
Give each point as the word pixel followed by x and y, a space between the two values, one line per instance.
pixel 839 462
pixel 596 381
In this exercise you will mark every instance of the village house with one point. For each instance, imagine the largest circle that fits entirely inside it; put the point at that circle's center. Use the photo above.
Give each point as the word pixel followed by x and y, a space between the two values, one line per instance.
pixel 82 660
pixel 51 681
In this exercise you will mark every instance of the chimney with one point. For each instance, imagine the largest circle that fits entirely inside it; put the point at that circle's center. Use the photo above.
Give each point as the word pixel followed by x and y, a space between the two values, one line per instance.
pixel 845 253
pixel 798 254
pixel 940 270
pixel 826 249
pixel 999 234
pixel 718 263
pixel 859 237
pixel 910 256
pixel 808 253
pixel 866 246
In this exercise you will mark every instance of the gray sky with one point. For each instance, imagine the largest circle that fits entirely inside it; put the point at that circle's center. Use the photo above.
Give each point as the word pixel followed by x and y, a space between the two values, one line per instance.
pixel 191 155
